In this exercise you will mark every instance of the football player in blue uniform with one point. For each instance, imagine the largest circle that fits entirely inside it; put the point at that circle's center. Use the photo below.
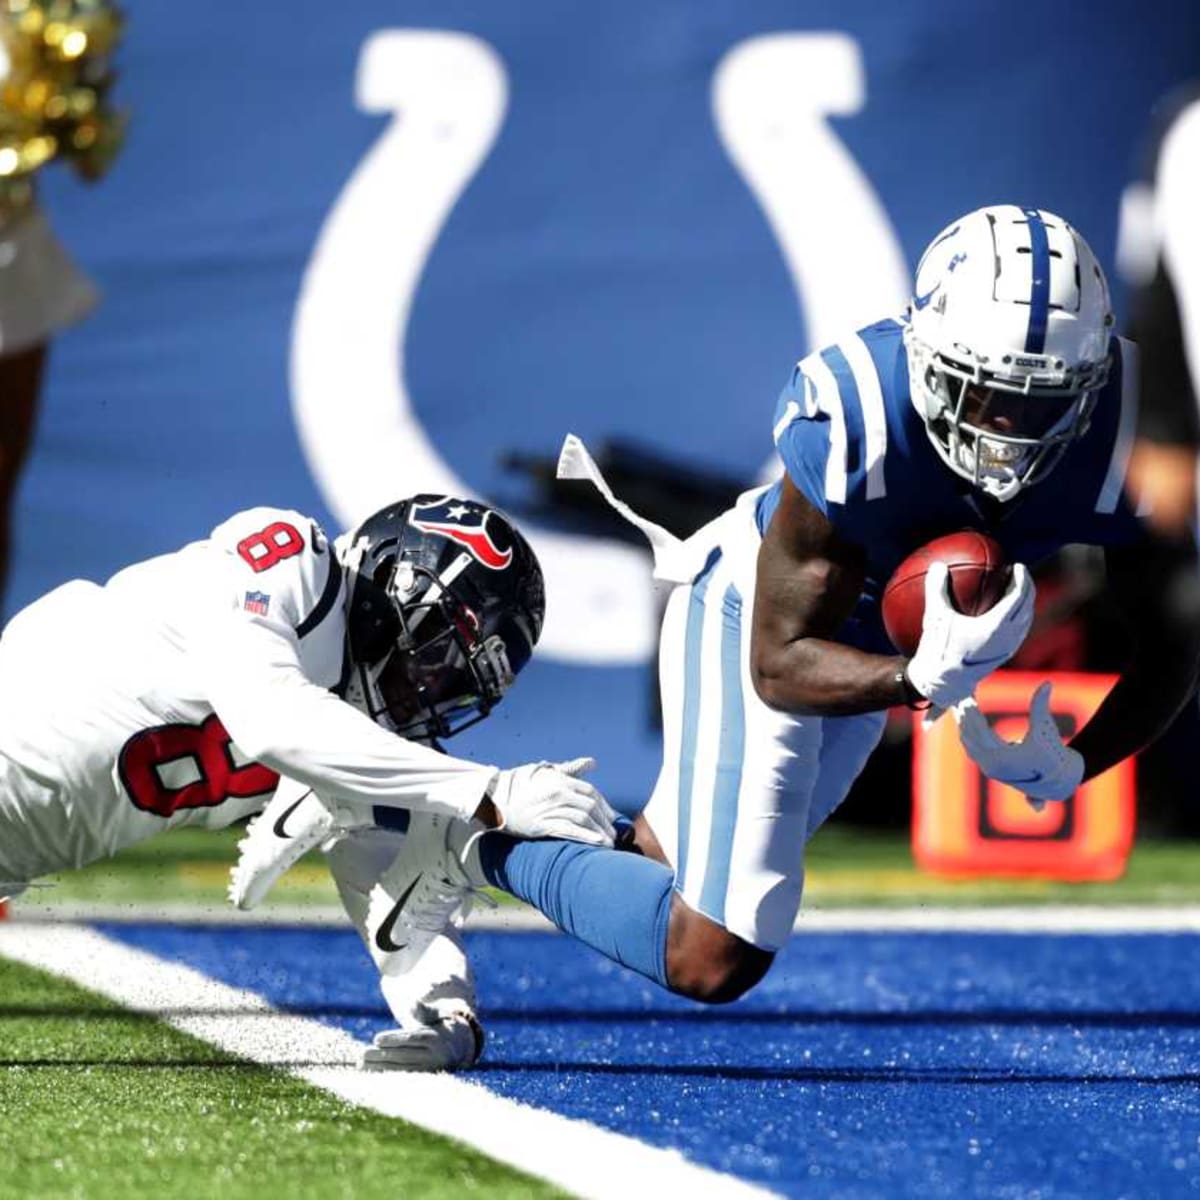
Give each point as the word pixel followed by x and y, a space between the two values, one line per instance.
pixel 1001 400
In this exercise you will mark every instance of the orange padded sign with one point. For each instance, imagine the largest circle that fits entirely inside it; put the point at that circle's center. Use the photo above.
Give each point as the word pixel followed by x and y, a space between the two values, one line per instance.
pixel 967 824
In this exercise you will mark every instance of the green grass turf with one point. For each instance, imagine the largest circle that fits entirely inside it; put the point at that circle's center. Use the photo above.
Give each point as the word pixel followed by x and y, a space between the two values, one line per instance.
pixel 851 867
pixel 846 867
pixel 98 1102
pixel 182 866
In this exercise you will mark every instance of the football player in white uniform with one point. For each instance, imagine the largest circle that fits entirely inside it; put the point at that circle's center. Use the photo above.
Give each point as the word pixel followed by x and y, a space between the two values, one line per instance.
pixel 263 658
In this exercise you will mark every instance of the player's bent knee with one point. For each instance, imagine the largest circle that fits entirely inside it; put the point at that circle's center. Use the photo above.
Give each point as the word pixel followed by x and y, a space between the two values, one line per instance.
pixel 708 963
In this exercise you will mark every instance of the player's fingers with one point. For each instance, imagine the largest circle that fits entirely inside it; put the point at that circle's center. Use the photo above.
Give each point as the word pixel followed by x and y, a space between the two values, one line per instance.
pixel 937 587
pixel 581 791
pixel 931 716
pixel 576 766
pixel 976 733
pixel 1019 598
pixel 610 812
pixel 591 820
pixel 1039 708
pixel 571 828
pixel 404 1039
pixel 578 787
pixel 601 817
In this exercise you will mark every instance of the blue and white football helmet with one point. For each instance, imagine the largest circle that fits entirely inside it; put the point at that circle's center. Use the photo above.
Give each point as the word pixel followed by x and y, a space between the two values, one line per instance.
pixel 1008 344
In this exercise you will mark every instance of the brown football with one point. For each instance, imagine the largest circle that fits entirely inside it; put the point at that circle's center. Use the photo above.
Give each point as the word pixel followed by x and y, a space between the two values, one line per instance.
pixel 978 578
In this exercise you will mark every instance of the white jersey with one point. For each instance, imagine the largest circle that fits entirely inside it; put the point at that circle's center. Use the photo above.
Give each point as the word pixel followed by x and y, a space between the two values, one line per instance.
pixel 180 691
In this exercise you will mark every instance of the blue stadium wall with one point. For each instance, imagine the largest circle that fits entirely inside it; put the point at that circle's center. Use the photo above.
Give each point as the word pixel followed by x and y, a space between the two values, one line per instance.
pixel 355 251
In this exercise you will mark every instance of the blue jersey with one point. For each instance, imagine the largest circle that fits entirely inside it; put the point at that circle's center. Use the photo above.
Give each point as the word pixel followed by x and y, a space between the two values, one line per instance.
pixel 853 443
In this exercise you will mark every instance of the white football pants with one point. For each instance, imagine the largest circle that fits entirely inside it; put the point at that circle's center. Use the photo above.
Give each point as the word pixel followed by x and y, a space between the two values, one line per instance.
pixel 742 787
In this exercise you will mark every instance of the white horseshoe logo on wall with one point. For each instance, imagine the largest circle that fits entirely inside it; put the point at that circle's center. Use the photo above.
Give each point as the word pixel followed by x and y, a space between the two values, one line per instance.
pixel 448 93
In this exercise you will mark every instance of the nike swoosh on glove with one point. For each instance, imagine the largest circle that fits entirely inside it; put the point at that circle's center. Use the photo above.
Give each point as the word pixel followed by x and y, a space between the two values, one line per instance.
pixel 547 800
pixel 1041 765
pixel 956 651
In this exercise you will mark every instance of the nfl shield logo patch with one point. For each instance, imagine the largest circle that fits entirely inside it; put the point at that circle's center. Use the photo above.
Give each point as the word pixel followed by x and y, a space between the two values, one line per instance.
pixel 257 603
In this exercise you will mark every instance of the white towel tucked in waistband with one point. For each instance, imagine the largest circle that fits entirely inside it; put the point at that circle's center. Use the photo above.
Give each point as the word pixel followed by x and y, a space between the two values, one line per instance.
pixel 676 560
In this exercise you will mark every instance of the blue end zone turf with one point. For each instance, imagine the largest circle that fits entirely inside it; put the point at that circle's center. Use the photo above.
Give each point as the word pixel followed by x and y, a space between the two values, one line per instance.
pixel 900 1065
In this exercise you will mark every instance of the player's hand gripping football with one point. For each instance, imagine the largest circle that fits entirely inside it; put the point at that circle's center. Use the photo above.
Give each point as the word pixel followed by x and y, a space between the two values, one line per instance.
pixel 1040 764
pixel 543 799
pixel 957 651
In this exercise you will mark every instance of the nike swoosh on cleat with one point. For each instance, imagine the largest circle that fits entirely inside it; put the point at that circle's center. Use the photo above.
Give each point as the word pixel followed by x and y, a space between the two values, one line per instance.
pixel 383 935
pixel 280 829
pixel 983 662
pixel 1036 777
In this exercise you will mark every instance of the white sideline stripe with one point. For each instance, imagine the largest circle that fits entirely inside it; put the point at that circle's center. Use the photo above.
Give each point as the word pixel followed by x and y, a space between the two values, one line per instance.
pixel 581 1158
pixel 505 918
pixel 1077 918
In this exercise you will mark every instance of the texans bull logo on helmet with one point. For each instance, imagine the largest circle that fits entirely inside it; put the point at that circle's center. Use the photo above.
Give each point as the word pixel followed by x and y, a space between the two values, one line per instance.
pixel 465 524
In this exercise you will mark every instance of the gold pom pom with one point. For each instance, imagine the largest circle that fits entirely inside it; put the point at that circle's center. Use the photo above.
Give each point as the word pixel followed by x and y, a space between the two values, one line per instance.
pixel 54 100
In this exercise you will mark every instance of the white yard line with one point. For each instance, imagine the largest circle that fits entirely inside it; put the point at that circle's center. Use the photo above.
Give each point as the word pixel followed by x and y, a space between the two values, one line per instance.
pixel 1024 918
pixel 579 1157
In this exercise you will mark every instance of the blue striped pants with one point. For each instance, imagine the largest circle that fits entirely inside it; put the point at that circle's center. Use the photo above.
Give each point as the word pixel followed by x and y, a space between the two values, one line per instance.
pixel 742 788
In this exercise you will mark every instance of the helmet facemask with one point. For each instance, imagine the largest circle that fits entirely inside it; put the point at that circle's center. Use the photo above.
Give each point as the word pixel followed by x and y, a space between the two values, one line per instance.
pixel 439 675
pixel 445 603
pixel 1001 433
pixel 443 674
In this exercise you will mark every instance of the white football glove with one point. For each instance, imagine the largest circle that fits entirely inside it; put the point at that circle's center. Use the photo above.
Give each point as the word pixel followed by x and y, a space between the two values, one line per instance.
pixel 450 1042
pixel 1041 765
pixel 957 651
pixel 544 800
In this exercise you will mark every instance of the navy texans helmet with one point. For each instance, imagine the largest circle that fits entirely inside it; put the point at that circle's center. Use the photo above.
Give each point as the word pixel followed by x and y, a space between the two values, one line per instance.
pixel 445 605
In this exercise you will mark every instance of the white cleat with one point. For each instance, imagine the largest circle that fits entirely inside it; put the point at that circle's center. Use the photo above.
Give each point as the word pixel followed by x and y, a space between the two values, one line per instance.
pixel 418 896
pixel 292 824
pixel 451 1041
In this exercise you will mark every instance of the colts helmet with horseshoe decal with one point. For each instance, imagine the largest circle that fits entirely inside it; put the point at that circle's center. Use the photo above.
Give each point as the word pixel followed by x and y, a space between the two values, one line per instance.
pixel 445 602
pixel 1008 343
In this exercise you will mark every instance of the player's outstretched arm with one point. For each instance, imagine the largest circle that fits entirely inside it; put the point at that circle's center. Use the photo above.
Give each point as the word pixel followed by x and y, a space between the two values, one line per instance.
pixel 1155 584
pixel 277 716
pixel 809 580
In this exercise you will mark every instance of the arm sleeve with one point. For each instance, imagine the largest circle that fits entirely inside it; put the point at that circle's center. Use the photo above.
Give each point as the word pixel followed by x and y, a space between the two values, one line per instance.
pixel 250 667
